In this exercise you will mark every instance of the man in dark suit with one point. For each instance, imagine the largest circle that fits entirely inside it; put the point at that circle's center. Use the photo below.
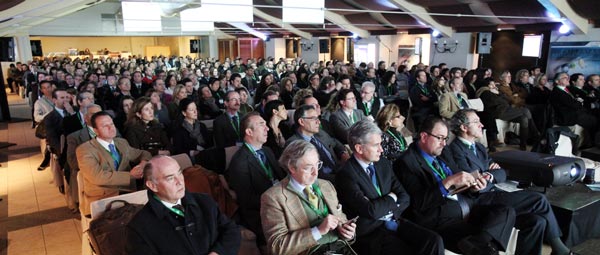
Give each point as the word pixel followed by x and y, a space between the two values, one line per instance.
pixel 368 189
pixel 138 88
pixel 369 103
pixel 227 125
pixel 535 218
pixel 466 219
pixel 422 98
pixel 76 121
pixel 177 222
pixel 569 111
pixel 253 170
pixel 105 163
pixel 250 81
pixel 331 152
pixel 54 133
pixel 346 116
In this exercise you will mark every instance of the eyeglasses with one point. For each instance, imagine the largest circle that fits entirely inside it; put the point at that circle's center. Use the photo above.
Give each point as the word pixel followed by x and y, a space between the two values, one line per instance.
pixel 439 137
pixel 311 118
pixel 311 168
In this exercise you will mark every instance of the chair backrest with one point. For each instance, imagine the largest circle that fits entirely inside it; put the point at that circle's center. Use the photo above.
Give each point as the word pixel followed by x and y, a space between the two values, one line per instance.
pixel 208 123
pixel 476 104
pixel 99 206
pixel 229 151
pixel 183 160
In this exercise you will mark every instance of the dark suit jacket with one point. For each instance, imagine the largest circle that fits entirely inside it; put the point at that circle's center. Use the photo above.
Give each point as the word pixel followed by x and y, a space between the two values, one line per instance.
pixel 334 147
pixel 374 107
pixel 71 123
pixel 155 229
pixel 428 207
pixel 249 180
pixel 340 123
pixel 54 130
pixel 359 197
pixel 73 140
pixel 465 160
pixel 224 133
pixel 565 107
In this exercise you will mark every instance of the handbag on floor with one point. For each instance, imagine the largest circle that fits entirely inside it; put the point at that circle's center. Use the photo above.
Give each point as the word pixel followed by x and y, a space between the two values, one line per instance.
pixel 107 232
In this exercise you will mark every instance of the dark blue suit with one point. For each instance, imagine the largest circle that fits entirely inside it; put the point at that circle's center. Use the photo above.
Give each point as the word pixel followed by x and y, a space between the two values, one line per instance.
pixel 535 218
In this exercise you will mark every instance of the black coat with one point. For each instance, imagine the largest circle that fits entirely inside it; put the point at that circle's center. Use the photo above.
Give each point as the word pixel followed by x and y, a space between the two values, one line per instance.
pixel 151 137
pixel 184 143
pixel 565 107
pixel 224 133
pixel 360 198
pixel 71 123
pixel 248 179
pixel 156 230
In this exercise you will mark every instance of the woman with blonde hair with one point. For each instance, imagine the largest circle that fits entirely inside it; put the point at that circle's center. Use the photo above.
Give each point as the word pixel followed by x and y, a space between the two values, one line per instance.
pixel 391 122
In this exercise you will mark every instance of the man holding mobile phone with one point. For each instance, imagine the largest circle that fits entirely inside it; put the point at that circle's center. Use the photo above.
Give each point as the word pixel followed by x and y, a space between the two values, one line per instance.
pixel 368 188
pixel 534 216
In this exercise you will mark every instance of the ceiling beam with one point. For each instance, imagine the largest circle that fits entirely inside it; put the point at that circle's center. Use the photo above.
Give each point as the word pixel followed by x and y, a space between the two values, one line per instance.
pixel 278 22
pixel 420 14
pixel 252 31
pixel 572 18
pixel 342 22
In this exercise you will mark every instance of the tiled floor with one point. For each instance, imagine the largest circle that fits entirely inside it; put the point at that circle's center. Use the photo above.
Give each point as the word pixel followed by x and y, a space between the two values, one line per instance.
pixel 34 218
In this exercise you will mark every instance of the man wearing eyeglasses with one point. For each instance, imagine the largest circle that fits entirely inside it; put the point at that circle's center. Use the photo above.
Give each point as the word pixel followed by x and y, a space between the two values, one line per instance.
pixel 331 151
pixel 253 170
pixel 301 214
pixel 467 222
pixel 534 216
pixel 346 116
pixel 369 189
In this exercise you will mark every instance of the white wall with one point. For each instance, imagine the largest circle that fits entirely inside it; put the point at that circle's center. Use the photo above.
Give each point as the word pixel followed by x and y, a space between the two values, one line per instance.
pixel 275 48
pixel 462 57
pixel 386 48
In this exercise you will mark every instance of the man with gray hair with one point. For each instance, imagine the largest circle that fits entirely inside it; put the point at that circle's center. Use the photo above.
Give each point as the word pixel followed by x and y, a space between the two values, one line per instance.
pixel 73 140
pixel 178 222
pixel 369 189
pixel 369 103
pixel 301 214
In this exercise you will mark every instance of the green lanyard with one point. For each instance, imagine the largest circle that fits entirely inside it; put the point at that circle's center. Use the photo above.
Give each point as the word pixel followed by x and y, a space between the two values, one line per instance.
pixel 323 212
pixel 439 172
pixel 352 117
pixel 266 168
pixel 174 210
pixel 367 106
pixel 423 89
pixel 402 145
pixel 389 90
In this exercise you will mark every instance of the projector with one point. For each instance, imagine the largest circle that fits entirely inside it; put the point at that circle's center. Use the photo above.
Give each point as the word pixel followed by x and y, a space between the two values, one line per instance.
pixel 543 170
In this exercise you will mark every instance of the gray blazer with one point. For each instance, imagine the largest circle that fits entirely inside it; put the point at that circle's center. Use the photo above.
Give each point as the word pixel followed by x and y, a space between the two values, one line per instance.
pixel 340 123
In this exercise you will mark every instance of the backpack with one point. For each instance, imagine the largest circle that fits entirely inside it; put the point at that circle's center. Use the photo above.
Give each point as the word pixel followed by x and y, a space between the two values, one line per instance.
pixel 107 233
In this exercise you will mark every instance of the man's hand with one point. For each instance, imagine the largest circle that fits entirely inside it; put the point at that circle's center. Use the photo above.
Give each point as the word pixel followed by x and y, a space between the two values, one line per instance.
pixel 347 231
pixel 494 166
pixel 458 180
pixel 137 172
pixel 345 156
pixel 481 183
pixel 329 223
pixel 424 98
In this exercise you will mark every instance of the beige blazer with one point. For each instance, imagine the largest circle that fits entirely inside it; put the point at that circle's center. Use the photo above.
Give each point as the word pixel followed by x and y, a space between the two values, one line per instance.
pixel 100 180
pixel 449 105
pixel 284 220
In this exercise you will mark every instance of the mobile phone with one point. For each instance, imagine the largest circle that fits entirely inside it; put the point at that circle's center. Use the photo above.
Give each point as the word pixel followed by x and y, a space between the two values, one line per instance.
pixel 353 220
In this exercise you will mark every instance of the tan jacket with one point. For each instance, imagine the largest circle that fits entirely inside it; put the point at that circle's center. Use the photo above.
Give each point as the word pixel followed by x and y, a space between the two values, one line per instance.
pixel 284 220
pixel 449 104
pixel 100 180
